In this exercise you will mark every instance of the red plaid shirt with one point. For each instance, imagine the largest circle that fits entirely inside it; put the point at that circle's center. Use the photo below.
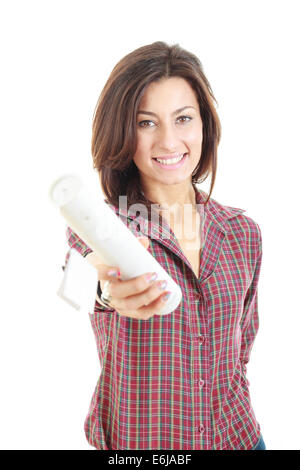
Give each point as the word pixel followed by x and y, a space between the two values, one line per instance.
pixel 179 381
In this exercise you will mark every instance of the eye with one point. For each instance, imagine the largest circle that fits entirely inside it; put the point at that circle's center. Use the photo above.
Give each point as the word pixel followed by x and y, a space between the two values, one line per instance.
pixel 186 119
pixel 142 122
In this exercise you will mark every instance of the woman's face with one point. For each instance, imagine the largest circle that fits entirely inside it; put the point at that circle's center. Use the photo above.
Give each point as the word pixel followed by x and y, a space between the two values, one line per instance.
pixel 164 129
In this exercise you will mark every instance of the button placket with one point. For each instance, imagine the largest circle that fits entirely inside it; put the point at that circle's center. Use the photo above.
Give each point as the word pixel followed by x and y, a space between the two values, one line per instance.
pixel 199 382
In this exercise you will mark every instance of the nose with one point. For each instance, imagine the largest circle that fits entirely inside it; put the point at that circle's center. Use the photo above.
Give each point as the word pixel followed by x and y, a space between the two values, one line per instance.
pixel 167 137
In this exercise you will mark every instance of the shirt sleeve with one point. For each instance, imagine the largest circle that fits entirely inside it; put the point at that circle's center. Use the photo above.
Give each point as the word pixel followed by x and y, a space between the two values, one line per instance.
pixel 250 319
pixel 75 242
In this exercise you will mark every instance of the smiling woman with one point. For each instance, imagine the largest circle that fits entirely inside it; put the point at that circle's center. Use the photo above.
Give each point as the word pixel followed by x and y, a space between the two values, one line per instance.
pixel 175 381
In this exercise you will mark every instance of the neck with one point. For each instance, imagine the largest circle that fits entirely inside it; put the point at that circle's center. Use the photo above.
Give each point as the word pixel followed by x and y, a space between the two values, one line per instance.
pixel 172 196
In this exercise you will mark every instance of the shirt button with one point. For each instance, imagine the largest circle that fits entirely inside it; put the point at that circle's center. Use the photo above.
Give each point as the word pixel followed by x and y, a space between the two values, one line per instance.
pixel 201 339
pixel 201 429
pixel 201 383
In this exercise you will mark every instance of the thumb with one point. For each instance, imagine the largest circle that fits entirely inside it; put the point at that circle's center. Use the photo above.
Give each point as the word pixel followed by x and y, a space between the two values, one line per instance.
pixel 144 241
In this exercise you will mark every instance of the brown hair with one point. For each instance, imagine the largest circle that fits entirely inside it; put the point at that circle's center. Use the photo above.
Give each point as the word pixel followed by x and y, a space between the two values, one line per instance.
pixel 114 122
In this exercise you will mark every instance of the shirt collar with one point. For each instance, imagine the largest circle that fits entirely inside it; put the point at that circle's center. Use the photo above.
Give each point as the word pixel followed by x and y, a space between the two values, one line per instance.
pixel 218 213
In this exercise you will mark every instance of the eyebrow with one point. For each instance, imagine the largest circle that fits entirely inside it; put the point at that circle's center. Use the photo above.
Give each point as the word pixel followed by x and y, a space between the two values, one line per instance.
pixel 175 112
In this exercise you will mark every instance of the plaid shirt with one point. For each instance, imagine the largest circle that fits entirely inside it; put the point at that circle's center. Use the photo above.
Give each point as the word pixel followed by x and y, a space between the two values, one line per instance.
pixel 179 381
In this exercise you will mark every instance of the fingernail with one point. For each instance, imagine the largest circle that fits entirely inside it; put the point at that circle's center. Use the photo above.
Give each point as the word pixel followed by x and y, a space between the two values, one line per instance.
pixel 114 272
pixel 151 277
pixel 166 296
pixel 162 285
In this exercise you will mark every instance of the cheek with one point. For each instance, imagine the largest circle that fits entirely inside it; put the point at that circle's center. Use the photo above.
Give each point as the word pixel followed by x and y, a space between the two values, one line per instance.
pixel 195 137
pixel 139 158
pixel 143 143
pixel 142 151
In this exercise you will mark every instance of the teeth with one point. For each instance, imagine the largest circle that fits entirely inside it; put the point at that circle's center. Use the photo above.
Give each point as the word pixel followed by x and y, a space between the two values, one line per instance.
pixel 170 161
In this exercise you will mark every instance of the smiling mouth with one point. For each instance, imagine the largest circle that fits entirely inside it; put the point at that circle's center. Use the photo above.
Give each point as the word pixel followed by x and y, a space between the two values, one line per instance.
pixel 170 161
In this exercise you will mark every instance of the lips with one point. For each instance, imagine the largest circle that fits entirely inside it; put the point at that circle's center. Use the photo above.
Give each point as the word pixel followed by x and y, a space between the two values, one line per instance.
pixel 171 166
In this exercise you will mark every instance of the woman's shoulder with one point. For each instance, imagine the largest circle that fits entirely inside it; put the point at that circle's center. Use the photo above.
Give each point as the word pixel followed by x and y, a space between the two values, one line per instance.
pixel 235 217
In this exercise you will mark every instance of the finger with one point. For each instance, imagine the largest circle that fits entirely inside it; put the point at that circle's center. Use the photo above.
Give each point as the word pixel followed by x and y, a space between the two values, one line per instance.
pixel 155 307
pixel 111 281
pixel 137 301
pixel 133 286
pixel 108 273
pixel 146 312
pixel 94 259
pixel 104 271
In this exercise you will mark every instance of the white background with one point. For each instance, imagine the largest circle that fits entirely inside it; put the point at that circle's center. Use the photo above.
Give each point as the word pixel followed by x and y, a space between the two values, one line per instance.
pixel 55 58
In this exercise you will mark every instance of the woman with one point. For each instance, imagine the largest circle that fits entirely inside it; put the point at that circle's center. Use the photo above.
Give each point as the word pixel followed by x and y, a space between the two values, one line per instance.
pixel 175 381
